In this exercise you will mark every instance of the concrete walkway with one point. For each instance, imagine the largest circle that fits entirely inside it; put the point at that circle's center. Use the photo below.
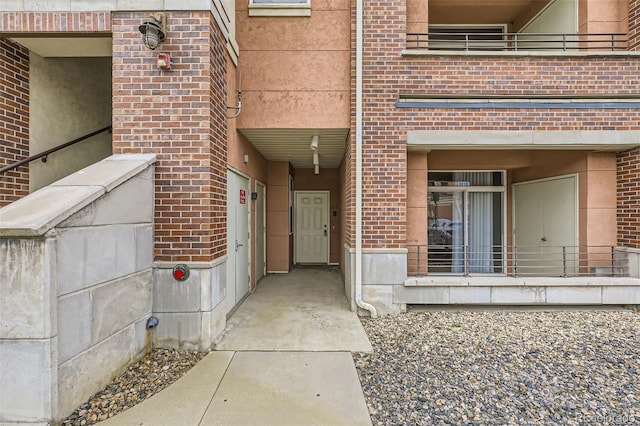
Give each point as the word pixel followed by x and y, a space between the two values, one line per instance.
pixel 305 310
pixel 285 359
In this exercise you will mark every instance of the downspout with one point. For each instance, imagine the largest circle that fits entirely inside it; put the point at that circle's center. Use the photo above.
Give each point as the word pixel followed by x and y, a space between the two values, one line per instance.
pixel 358 261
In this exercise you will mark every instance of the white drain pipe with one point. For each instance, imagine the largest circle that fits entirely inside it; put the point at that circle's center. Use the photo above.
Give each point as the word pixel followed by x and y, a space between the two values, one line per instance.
pixel 358 261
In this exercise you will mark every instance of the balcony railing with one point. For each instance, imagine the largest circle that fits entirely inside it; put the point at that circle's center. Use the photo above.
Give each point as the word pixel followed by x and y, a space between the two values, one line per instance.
pixel 532 261
pixel 516 42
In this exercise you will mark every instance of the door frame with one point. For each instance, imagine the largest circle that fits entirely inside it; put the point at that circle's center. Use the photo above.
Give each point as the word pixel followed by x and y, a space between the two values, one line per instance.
pixel 264 223
pixel 249 246
pixel 542 180
pixel 295 222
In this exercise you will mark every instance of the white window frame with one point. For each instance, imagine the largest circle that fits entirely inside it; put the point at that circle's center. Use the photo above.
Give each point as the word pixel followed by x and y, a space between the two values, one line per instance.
pixel 466 190
pixel 280 8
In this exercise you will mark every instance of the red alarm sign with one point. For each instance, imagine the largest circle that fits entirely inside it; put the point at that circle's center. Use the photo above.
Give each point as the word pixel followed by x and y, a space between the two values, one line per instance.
pixel 243 196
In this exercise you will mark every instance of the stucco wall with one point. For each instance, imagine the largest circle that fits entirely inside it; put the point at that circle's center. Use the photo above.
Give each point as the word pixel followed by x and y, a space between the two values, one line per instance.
pixel 603 16
pixel 70 97
pixel 278 241
pixel 295 70
pixel 237 147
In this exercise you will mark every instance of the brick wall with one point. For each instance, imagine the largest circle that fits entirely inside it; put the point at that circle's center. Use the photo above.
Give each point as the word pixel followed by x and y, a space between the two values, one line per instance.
pixel 14 85
pixel 179 116
pixel 387 74
pixel 634 25
pixel 55 22
pixel 14 120
pixel 218 140
pixel 628 172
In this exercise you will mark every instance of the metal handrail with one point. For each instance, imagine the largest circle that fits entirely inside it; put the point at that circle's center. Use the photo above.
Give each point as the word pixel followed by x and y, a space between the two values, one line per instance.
pixel 516 41
pixel 52 150
pixel 559 261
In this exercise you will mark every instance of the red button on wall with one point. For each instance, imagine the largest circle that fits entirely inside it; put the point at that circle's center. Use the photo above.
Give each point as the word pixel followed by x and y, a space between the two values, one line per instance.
pixel 180 272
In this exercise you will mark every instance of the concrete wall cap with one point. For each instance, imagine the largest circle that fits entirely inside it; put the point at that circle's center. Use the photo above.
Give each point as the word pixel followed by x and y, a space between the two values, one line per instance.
pixel 110 172
pixel 39 212
pixel 192 265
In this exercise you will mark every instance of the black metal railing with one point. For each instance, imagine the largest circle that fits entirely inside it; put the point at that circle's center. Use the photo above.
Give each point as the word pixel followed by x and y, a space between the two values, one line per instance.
pixel 514 42
pixel 533 261
pixel 46 153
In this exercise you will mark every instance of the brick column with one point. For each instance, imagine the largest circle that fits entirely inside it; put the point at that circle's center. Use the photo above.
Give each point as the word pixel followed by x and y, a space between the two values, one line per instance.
pixel 14 120
pixel 628 171
pixel 384 145
pixel 634 25
pixel 179 116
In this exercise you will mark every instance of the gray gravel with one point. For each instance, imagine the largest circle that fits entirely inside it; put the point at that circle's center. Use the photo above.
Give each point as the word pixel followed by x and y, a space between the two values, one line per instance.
pixel 503 368
pixel 140 381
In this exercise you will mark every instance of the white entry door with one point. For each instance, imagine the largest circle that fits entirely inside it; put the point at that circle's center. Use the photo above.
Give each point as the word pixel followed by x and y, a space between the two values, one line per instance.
pixel 545 226
pixel 312 227
pixel 238 278
pixel 260 230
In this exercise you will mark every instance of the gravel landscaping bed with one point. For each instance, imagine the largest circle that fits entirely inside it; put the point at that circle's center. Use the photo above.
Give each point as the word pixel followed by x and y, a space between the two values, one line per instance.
pixel 506 368
pixel 150 375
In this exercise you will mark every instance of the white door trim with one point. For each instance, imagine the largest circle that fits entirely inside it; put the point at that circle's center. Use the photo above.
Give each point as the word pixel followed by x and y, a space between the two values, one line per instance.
pixel 264 223
pixel 328 217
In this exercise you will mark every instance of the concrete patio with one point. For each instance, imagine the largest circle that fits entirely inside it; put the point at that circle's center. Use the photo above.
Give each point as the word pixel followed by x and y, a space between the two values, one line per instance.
pixel 285 359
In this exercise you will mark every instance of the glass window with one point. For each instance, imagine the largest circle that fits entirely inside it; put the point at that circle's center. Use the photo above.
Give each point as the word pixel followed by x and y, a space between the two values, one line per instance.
pixel 466 222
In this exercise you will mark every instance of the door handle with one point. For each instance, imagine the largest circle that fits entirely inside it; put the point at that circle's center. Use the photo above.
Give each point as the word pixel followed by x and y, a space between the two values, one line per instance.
pixel 238 245
pixel 325 230
pixel 543 239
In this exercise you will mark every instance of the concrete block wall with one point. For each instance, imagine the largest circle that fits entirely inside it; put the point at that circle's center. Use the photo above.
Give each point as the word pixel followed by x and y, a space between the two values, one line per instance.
pixel 628 258
pixel 28 328
pixel 191 312
pixel 76 263
pixel 382 271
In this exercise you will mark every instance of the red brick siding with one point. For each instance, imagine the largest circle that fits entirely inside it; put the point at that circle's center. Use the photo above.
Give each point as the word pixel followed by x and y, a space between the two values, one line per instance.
pixel 634 25
pixel 628 165
pixel 44 22
pixel 218 140
pixel 14 120
pixel 177 115
pixel 14 84
pixel 387 74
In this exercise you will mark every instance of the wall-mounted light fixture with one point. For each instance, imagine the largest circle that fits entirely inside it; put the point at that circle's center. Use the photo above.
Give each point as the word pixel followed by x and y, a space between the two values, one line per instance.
pixel 315 141
pixel 154 30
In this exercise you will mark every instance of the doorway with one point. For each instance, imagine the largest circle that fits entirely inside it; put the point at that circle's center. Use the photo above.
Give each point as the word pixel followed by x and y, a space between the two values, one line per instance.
pixel 545 218
pixel 312 227
pixel 238 219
